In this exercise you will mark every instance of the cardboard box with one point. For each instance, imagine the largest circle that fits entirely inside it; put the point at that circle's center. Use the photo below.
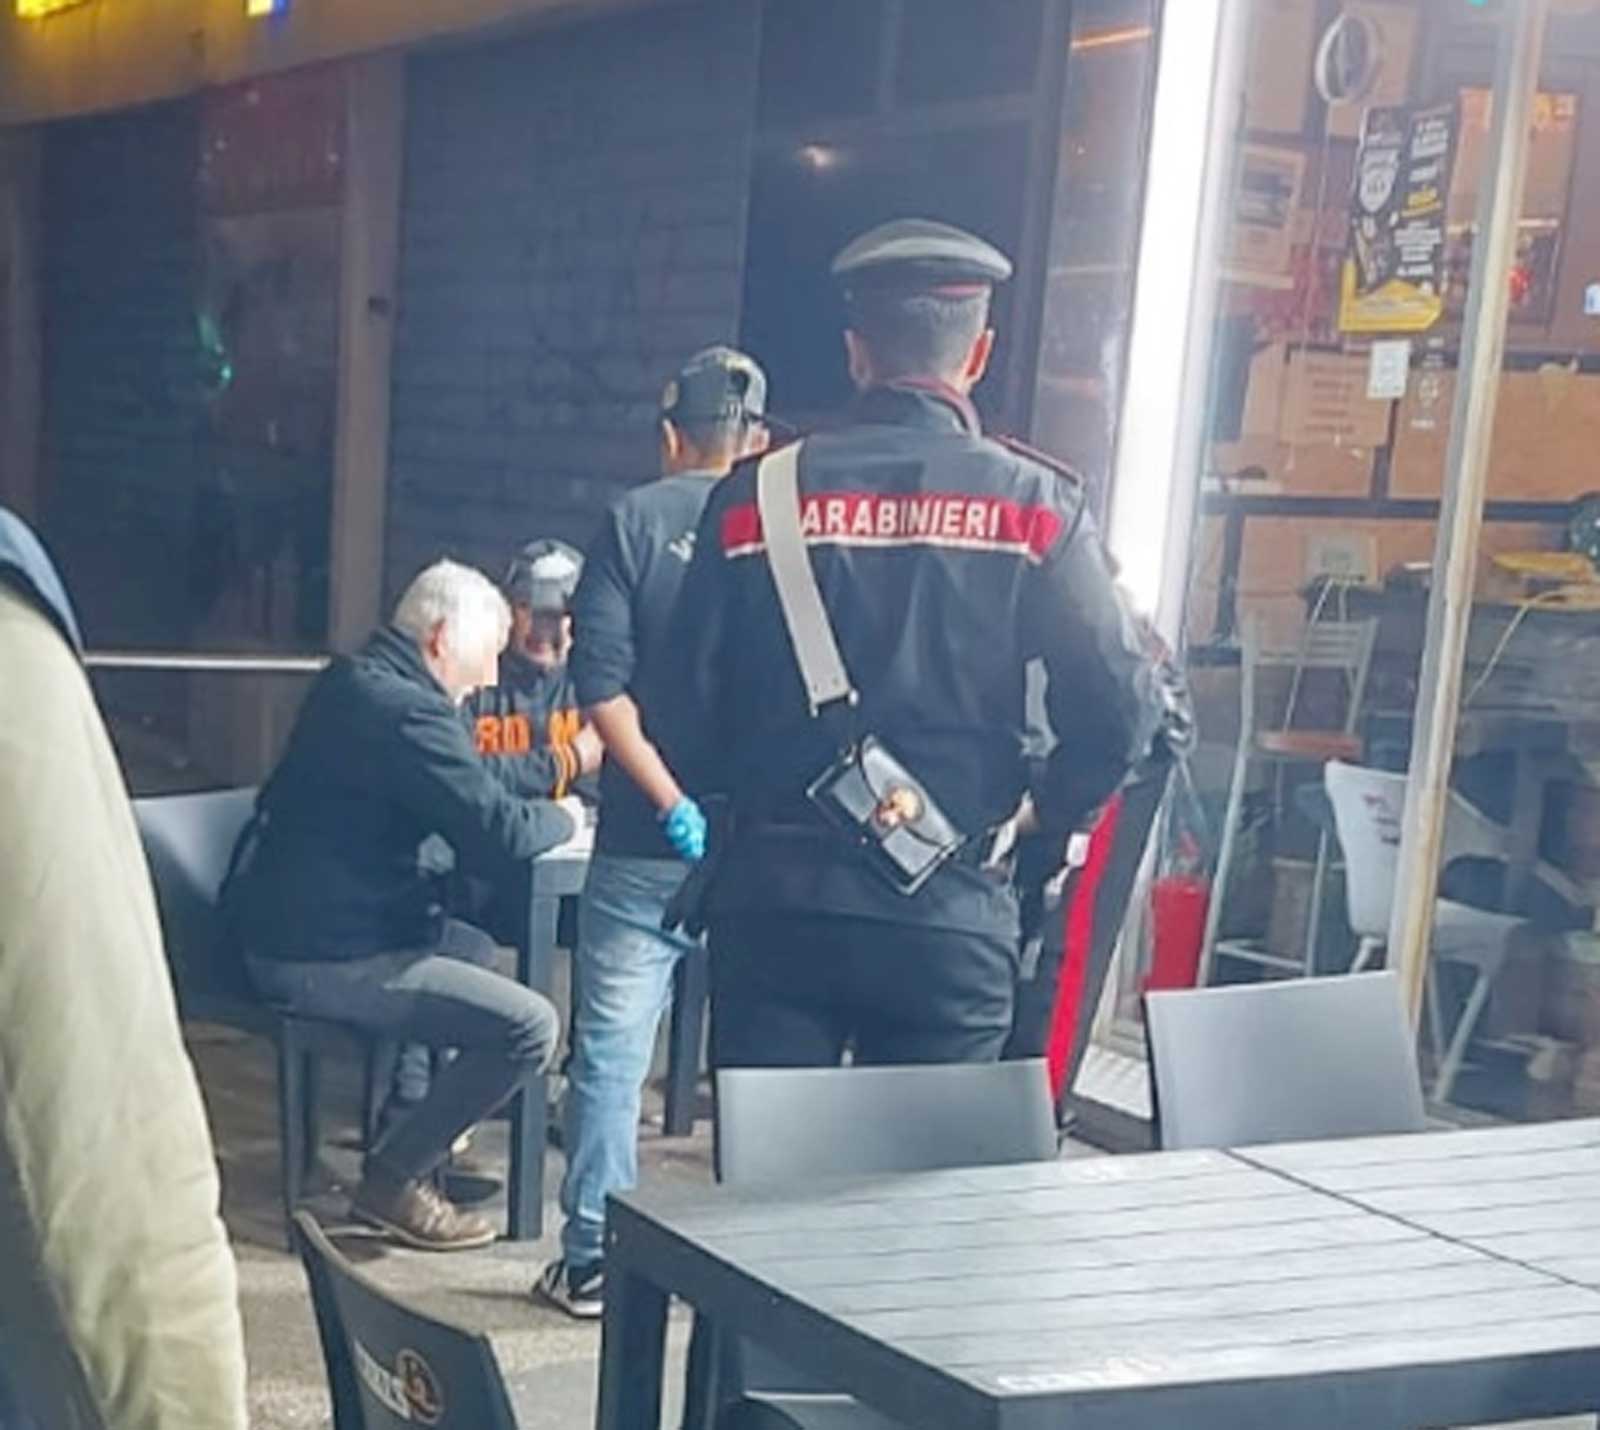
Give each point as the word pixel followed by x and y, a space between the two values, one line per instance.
pixel 1283 37
pixel 1325 402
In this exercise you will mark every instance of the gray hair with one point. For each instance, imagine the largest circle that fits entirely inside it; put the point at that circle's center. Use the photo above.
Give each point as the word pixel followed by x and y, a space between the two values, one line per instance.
pixel 460 598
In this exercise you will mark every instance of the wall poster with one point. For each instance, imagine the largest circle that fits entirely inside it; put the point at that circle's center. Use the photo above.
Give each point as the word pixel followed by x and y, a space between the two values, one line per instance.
pixel 1393 276
pixel 1266 202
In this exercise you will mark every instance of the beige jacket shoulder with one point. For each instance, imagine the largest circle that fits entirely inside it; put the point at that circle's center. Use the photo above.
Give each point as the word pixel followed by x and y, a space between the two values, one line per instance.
pixel 118 1294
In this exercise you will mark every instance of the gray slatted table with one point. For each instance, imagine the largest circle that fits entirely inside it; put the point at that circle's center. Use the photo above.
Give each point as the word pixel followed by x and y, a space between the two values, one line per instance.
pixel 1525 1194
pixel 1194 1287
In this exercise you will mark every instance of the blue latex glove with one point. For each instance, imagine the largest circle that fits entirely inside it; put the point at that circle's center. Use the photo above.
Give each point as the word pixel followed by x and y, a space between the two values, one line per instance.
pixel 685 828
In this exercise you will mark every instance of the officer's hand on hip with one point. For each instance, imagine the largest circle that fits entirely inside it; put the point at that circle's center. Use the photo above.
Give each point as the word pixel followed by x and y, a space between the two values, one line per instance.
pixel 685 828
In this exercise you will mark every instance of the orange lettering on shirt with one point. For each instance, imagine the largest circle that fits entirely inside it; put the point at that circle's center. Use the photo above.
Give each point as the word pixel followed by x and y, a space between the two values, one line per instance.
pixel 564 727
pixel 486 734
pixel 516 735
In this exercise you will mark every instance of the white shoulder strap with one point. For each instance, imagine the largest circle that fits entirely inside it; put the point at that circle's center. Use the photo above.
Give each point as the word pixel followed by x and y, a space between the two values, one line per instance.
pixel 815 650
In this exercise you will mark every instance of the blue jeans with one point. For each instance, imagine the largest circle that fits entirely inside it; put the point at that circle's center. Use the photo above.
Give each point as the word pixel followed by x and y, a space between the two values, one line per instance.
pixel 621 985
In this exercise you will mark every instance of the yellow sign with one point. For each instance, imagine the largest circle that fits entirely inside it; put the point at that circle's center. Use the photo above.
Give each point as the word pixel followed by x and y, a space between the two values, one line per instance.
pixel 1392 280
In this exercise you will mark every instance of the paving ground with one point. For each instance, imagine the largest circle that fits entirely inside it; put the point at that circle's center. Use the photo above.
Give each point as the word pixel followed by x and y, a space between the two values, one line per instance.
pixel 487 1290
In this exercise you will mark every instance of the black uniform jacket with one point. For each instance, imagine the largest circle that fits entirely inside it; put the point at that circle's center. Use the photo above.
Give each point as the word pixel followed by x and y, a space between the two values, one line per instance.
pixel 947 562
pixel 378 760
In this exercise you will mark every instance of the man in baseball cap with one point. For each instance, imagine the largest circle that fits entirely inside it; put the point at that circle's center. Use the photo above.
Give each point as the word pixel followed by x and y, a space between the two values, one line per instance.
pixel 528 726
pixel 717 391
pixel 712 415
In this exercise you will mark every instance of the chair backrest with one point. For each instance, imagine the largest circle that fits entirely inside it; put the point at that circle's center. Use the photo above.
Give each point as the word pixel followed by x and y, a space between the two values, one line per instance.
pixel 777 1125
pixel 1368 806
pixel 1343 646
pixel 790 1125
pixel 1368 809
pixel 394 1366
pixel 188 841
pixel 1284 1061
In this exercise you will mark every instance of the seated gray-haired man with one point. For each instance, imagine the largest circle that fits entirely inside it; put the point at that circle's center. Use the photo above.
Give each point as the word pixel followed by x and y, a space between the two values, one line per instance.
pixel 339 920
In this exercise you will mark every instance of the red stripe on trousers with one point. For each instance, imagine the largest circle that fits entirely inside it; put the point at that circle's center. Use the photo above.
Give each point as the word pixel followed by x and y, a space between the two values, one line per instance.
pixel 1077 938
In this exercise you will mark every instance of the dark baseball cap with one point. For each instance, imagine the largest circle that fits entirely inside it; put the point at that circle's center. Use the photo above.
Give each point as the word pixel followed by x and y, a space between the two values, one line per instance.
pixel 715 385
pixel 544 575
pixel 918 255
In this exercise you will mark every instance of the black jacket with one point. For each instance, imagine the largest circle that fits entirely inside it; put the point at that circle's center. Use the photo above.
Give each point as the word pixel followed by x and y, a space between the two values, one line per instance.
pixel 378 760
pixel 525 727
pixel 947 562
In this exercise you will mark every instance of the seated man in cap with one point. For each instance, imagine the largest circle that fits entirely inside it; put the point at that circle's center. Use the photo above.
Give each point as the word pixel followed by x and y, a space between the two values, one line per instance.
pixel 712 415
pixel 946 562
pixel 529 726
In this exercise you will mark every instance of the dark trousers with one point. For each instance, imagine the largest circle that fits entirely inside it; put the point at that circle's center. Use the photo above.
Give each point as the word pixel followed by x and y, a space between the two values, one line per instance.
pixel 796 990
pixel 441 997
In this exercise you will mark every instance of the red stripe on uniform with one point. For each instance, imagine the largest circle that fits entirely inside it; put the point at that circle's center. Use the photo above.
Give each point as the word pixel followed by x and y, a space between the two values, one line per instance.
pixel 1077 934
pixel 956 520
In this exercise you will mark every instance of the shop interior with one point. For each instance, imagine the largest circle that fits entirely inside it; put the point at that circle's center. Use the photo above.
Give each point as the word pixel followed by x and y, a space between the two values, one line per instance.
pixel 1330 429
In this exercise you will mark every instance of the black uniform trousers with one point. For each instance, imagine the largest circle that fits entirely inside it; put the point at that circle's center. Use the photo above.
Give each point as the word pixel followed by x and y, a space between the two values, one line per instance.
pixel 796 990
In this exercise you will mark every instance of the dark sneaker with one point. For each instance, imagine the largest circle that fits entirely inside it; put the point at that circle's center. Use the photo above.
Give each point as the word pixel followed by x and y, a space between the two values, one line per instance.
pixel 577 1290
pixel 417 1214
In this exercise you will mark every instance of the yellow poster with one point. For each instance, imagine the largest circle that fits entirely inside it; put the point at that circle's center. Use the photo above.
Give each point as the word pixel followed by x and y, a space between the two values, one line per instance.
pixel 1393 276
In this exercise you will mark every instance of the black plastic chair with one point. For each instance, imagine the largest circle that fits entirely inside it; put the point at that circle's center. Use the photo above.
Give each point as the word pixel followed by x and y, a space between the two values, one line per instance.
pixel 1301 1059
pixel 786 1126
pixel 390 1366
pixel 188 841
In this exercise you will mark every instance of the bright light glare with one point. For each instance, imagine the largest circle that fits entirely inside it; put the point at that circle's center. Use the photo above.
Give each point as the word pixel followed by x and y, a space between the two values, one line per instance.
pixel 35 9
pixel 1110 39
pixel 820 156
pixel 1151 506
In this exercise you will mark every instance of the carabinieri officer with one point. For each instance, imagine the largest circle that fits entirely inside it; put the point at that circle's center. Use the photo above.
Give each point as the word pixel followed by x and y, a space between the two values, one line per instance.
pixel 946 561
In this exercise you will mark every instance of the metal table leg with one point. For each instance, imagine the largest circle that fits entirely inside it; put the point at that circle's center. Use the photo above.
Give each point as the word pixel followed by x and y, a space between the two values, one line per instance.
pixel 632 1351
pixel 525 1192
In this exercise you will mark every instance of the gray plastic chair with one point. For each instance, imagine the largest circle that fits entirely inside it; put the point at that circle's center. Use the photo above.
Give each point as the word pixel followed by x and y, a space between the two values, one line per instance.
pixel 1368 809
pixel 785 1126
pixel 188 841
pixel 1283 1062
pixel 791 1125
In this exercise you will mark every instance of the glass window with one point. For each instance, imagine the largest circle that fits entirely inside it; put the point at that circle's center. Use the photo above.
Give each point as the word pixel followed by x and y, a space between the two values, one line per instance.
pixel 191 300
pixel 1334 378
pixel 1094 233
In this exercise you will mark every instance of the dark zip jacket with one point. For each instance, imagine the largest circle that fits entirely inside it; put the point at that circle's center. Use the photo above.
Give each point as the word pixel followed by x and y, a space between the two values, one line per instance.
pixel 378 760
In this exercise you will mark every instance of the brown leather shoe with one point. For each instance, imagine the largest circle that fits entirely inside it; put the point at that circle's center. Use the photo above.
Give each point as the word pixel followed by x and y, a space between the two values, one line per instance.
pixel 416 1214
